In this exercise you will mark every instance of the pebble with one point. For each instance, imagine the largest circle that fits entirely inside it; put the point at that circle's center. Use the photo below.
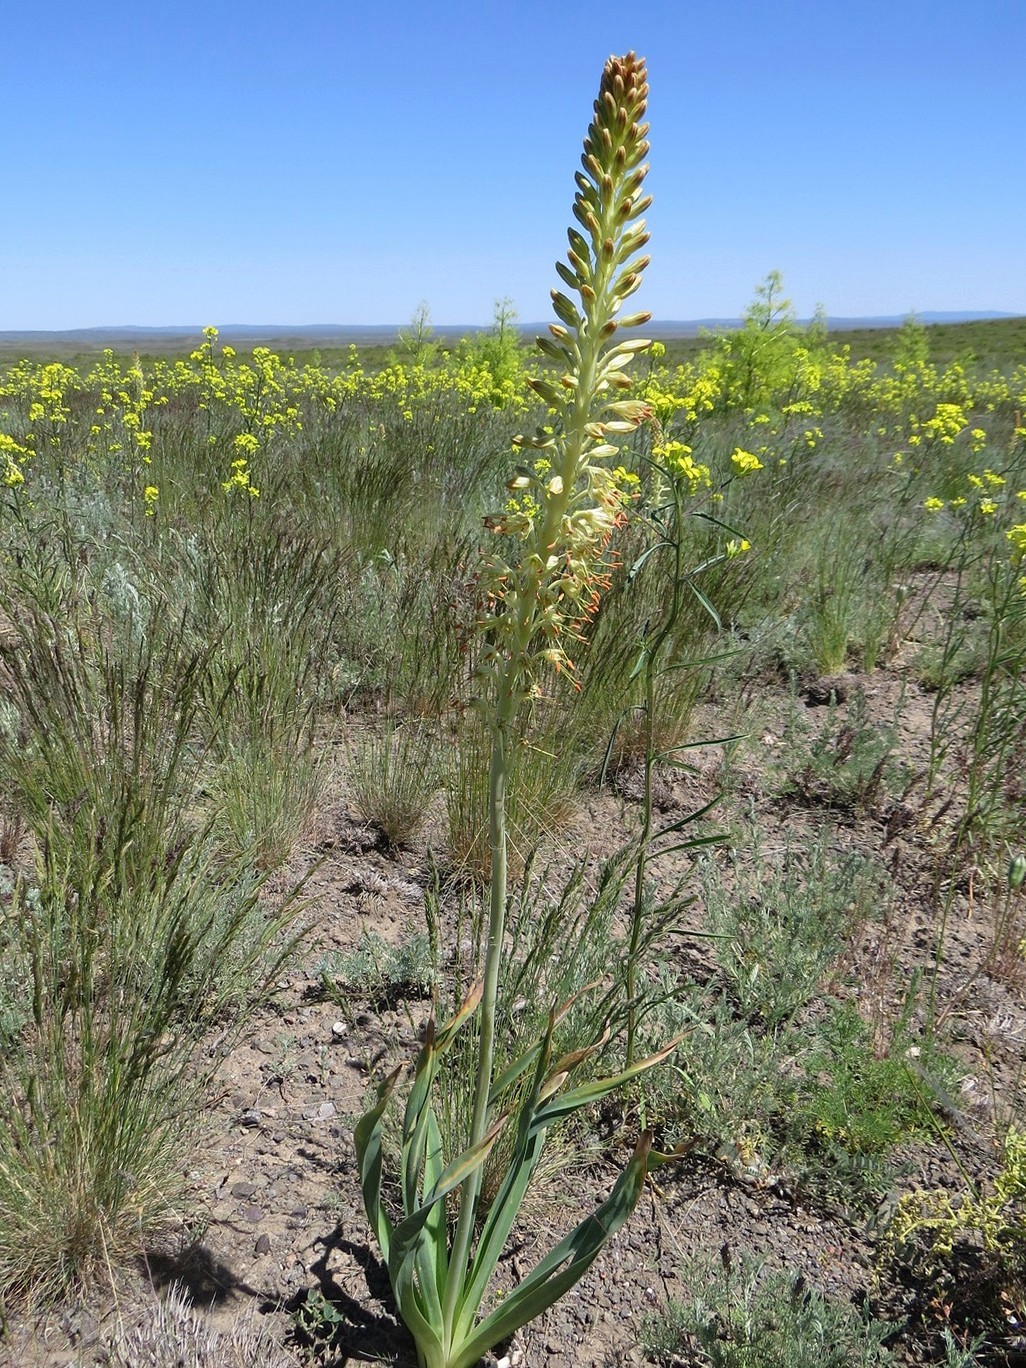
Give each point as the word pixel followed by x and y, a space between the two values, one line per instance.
pixel 324 1112
pixel 253 1214
pixel 243 1189
pixel 263 1245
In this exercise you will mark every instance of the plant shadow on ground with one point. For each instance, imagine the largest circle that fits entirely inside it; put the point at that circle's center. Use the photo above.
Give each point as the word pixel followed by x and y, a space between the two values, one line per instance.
pixel 207 1281
pixel 337 1325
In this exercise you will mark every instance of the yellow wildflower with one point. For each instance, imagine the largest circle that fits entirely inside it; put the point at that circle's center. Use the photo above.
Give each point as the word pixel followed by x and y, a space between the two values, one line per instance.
pixel 240 478
pixel 746 462
pixel 680 464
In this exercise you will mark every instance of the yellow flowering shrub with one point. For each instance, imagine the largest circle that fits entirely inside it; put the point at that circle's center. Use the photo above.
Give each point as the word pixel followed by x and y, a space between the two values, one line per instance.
pixel 998 1217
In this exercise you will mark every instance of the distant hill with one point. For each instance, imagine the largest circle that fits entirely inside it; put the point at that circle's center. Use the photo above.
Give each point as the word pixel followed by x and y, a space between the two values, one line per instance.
pixel 127 336
pixel 673 328
pixel 81 343
pixel 307 335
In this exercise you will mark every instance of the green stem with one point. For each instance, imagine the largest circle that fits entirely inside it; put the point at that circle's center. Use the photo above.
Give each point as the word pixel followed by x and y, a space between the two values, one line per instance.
pixel 645 837
pixel 523 590
pixel 509 688
pixel 471 1189
pixel 640 868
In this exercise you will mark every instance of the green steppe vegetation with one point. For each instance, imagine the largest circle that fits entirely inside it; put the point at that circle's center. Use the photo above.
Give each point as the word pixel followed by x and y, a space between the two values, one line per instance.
pixel 238 588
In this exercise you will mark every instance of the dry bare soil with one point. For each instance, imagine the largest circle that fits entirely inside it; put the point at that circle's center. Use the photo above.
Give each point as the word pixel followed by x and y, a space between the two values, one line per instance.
pixel 276 1219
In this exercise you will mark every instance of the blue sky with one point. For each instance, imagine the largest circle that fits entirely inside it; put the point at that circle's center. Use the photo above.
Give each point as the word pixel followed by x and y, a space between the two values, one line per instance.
pixel 314 162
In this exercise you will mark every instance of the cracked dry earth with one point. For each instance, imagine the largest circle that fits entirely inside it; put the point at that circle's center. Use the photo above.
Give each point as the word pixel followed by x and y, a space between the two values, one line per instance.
pixel 276 1212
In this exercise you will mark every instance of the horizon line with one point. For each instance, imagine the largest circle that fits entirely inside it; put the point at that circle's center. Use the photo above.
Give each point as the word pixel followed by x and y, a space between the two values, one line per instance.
pixel 443 329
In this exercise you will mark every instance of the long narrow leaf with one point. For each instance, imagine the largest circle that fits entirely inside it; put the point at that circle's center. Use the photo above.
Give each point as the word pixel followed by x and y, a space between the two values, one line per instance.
pixel 520 1066
pixel 636 567
pixel 690 817
pixel 508 1200
pixel 695 843
pixel 639 665
pixel 435 1230
pixel 565 1065
pixel 637 707
pixel 702 744
pixel 415 1124
pixel 417 1161
pixel 406 1238
pixel 367 1140
pixel 706 604
pixel 565 1104
pixel 471 1002
pixel 718 522
pixel 564 1266
pixel 533 1125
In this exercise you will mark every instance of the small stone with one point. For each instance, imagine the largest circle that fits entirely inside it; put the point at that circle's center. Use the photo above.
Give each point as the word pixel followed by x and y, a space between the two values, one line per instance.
pixel 338 1029
pixel 243 1189
pixel 263 1245
pixel 250 1117
pixel 253 1214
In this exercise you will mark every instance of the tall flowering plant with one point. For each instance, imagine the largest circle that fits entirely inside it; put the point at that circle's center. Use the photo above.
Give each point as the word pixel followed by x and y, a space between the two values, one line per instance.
pixel 543 585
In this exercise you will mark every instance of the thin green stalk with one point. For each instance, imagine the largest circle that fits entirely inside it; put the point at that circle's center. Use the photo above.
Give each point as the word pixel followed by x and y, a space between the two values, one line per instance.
pixel 652 656
pixel 471 1189
pixel 539 598
pixel 545 548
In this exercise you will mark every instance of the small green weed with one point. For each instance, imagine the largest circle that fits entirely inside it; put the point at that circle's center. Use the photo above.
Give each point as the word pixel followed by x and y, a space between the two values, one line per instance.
pixel 377 972
pixel 809 1101
pixel 781 920
pixel 850 762
pixel 743 1316
pixel 857 1100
